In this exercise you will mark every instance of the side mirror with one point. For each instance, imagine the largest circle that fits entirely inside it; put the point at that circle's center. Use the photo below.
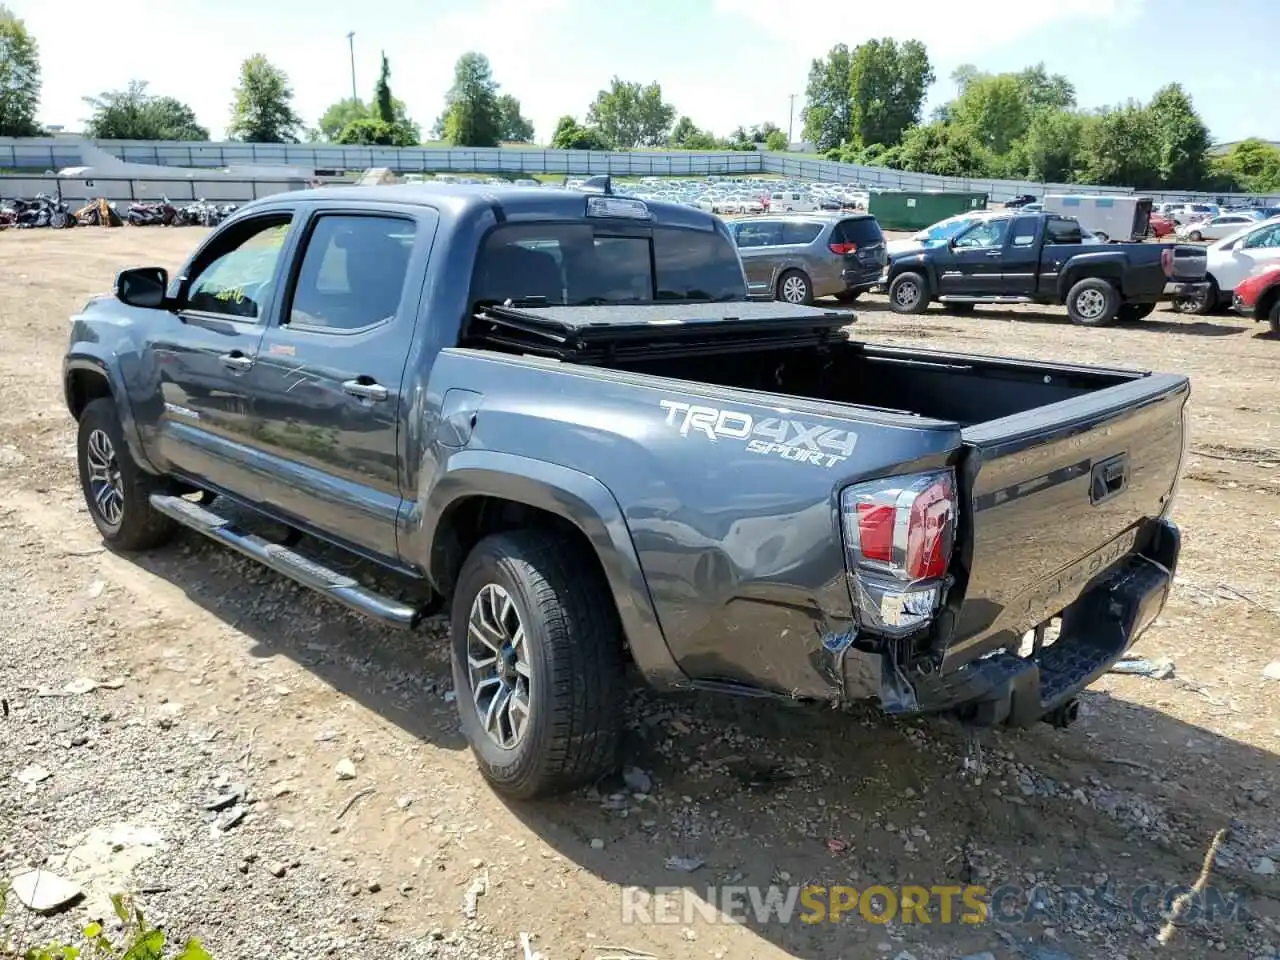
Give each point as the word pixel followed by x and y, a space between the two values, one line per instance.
pixel 143 287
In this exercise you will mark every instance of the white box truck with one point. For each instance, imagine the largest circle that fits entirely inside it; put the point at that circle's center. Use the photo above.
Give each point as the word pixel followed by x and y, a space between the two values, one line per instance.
pixel 1120 218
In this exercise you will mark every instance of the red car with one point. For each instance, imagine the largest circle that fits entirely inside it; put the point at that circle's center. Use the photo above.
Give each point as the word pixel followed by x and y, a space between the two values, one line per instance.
pixel 1258 296
pixel 1160 226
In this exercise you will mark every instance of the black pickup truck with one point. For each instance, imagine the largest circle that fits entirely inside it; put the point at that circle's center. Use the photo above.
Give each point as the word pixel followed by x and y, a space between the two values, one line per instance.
pixel 560 418
pixel 1040 258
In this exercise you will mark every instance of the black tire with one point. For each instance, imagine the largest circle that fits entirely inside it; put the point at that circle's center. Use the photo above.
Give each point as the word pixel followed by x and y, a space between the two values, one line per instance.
pixel 958 309
pixel 1195 236
pixel 1208 304
pixel 1273 319
pixel 136 525
pixel 573 659
pixel 1133 312
pixel 908 293
pixel 1093 302
pixel 794 287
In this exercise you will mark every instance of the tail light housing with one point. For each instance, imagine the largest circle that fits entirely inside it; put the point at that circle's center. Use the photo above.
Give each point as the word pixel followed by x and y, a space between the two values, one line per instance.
pixel 1166 261
pixel 899 536
pixel 843 249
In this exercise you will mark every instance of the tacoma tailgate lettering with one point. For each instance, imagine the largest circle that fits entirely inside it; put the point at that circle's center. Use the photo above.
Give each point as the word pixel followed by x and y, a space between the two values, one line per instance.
pixel 788 439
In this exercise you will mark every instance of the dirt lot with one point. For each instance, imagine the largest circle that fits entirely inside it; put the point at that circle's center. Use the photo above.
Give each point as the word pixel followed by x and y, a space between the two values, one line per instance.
pixel 214 672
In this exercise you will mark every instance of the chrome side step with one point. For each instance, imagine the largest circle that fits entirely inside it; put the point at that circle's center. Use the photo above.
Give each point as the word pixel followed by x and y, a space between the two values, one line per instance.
pixel 959 298
pixel 337 586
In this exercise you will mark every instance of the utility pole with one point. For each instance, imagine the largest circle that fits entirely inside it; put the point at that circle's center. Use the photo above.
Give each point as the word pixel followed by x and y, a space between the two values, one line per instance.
pixel 351 42
pixel 791 117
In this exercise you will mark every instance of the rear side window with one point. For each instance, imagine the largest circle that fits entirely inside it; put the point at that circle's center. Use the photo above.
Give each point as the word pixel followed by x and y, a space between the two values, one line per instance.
pixel 758 233
pixel 352 272
pixel 861 230
pixel 1059 230
pixel 800 232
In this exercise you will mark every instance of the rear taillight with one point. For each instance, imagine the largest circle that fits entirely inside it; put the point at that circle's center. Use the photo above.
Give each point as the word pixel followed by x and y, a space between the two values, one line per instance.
pixel 899 534
pixel 843 249
pixel 1166 261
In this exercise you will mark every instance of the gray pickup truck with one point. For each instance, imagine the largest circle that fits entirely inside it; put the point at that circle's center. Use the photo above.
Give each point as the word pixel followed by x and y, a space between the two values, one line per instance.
pixel 560 414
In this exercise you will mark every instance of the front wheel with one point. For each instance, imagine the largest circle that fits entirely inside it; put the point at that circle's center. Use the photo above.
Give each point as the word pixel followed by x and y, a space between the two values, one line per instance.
pixel 1093 302
pixel 1195 236
pixel 794 287
pixel 116 491
pixel 907 294
pixel 537 664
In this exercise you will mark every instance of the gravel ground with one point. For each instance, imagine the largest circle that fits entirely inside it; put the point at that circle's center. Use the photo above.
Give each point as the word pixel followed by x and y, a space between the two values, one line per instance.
pixel 142 690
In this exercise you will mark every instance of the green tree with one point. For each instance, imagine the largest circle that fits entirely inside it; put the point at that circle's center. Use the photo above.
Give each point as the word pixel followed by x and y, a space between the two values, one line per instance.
pixel 1182 138
pixel 133 114
pixel 1052 146
pixel 994 109
pixel 828 108
pixel 776 141
pixel 741 139
pixel 571 135
pixel 1121 148
pixel 383 104
pixel 1251 165
pixel 515 127
pixel 262 107
pixel 686 135
pixel 943 149
pixel 19 77
pixel 631 114
pixel 887 83
pixel 472 115
pixel 1046 91
pixel 339 115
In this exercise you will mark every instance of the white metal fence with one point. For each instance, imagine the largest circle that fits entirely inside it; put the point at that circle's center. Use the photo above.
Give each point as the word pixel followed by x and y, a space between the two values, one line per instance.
pixel 56 153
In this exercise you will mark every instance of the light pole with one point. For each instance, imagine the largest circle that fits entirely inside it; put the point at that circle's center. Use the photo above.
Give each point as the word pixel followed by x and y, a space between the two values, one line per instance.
pixel 351 42
pixel 791 117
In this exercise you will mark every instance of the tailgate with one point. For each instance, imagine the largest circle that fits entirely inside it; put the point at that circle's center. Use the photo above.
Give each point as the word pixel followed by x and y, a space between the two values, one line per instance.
pixel 1058 495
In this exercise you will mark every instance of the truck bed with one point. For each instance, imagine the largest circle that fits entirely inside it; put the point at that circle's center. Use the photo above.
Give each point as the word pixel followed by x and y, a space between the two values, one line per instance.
pixel 1063 473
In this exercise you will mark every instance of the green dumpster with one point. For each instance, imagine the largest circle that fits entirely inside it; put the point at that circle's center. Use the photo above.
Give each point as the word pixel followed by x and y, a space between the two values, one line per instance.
pixel 915 209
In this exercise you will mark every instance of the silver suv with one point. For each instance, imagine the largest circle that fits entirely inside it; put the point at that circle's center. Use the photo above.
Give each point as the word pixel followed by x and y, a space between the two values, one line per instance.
pixel 799 257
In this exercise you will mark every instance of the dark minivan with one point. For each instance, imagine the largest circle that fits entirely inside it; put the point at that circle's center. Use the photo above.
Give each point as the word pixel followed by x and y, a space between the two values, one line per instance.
pixel 799 257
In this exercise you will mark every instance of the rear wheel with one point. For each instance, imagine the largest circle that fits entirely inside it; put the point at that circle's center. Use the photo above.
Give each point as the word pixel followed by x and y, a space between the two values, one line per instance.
pixel 1273 318
pixel 1093 302
pixel 794 287
pixel 537 664
pixel 907 294
pixel 1195 235
pixel 1207 304
pixel 116 490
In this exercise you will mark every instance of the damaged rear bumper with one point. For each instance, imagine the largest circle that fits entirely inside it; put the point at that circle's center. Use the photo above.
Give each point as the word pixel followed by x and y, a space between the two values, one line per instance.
pixel 1005 688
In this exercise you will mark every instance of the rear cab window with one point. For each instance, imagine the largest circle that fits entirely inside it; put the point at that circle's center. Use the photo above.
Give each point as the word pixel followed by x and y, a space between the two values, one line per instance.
pixel 580 264
pixel 1063 230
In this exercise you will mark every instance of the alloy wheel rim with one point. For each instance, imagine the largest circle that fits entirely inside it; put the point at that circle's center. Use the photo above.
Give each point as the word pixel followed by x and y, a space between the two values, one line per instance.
pixel 1090 304
pixel 907 294
pixel 498 666
pixel 793 290
pixel 105 484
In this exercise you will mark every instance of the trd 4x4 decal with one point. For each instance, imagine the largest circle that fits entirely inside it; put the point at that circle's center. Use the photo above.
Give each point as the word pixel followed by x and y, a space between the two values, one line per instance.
pixel 769 436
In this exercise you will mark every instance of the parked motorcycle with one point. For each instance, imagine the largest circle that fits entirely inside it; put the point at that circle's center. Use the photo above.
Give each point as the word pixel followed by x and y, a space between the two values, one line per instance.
pixel 150 214
pixel 98 213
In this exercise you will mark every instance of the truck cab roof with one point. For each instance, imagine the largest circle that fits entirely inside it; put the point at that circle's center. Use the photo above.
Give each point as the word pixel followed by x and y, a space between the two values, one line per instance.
pixel 507 203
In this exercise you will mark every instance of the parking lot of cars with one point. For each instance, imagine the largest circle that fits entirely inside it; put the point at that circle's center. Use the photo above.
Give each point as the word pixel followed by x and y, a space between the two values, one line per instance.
pixel 300 769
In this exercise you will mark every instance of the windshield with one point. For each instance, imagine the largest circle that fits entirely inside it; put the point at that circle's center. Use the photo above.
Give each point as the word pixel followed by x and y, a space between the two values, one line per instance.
pixel 581 264
pixel 941 232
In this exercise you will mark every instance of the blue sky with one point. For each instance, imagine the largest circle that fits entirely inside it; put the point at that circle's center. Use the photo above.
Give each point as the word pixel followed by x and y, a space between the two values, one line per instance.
pixel 723 62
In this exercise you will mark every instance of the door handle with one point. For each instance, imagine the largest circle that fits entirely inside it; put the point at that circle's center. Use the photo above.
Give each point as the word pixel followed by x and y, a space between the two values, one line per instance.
pixel 365 391
pixel 993 253
pixel 236 360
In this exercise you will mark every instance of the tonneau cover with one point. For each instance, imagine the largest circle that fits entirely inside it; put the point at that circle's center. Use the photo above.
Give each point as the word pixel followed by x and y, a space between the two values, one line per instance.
pixel 614 331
